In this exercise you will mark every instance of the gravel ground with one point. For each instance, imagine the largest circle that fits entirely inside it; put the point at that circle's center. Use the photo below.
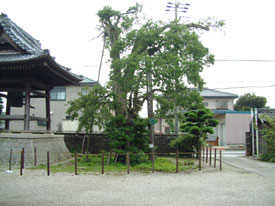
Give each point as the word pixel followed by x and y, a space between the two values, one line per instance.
pixel 232 186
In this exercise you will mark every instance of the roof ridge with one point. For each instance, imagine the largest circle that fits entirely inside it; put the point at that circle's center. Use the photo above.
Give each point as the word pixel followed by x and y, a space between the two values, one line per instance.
pixel 20 37
pixel 220 91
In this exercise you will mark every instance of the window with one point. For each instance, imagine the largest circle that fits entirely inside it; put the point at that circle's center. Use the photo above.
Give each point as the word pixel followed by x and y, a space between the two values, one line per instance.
pixel 205 104
pixel 84 91
pixel 221 105
pixel 58 93
pixel 41 122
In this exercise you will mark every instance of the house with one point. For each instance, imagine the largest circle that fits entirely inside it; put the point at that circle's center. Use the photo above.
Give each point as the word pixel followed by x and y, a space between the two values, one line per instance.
pixel 232 124
pixel 59 101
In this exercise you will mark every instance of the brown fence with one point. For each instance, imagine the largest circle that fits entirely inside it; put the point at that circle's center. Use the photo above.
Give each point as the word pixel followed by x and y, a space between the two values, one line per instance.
pixel 207 154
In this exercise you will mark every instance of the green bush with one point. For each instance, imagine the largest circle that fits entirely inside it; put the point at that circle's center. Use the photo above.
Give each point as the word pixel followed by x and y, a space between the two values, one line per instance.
pixel 128 136
pixel 267 157
pixel 272 160
pixel 184 143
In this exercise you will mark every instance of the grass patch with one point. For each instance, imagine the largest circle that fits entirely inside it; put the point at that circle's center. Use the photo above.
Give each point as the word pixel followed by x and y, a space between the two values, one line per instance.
pixel 92 163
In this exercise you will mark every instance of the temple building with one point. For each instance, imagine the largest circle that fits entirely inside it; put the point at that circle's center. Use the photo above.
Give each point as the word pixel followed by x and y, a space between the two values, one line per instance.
pixel 28 72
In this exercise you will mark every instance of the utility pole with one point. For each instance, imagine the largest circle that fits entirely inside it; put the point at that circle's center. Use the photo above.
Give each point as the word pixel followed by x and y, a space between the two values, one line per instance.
pixel 150 109
pixel 178 7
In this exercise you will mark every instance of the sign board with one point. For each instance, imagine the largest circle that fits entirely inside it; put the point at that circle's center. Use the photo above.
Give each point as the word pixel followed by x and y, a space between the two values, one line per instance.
pixel 152 121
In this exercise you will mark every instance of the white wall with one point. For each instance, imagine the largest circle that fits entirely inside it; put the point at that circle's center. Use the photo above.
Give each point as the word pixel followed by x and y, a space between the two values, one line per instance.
pixel 236 126
pixel 212 102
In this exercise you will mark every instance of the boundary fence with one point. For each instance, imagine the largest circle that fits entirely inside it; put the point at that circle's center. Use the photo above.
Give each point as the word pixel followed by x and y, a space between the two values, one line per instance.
pixel 206 155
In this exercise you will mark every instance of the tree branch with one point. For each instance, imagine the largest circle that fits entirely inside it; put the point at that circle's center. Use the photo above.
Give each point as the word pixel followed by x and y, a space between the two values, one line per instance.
pixel 198 26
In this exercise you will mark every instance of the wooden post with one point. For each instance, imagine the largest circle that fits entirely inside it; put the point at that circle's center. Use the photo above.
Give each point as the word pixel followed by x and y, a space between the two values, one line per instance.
pixel 35 156
pixel 206 158
pixel 75 163
pixel 10 159
pixel 200 160
pixel 203 153
pixel 8 111
pixel 220 160
pixel 102 162
pixel 48 110
pixel 128 162
pixel 21 164
pixel 48 163
pixel 210 155
pixel 23 160
pixel 27 106
pixel 177 161
pixel 215 157
pixel 153 161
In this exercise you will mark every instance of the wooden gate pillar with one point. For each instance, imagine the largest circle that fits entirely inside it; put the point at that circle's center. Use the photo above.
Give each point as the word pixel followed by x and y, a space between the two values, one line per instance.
pixel 27 107
pixel 48 110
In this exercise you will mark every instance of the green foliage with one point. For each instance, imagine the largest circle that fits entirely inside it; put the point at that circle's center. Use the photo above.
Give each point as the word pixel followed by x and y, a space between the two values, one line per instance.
pixel 268 132
pixel 268 157
pixel 184 143
pixel 197 124
pixel 91 109
pixel 248 101
pixel 188 162
pixel 128 136
pixel 171 51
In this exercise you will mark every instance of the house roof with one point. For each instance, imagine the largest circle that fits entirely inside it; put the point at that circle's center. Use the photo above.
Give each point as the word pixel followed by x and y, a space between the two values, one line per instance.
pixel 20 53
pixel 16 44
pixel 262 112
pixel 211 93
pixel 87 81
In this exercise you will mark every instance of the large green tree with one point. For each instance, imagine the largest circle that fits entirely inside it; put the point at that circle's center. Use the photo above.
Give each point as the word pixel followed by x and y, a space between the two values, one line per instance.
pixel 248 101
pixel 172 52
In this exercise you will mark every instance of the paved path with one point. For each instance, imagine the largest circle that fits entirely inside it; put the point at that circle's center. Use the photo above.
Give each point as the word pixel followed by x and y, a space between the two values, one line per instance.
pixel 238 159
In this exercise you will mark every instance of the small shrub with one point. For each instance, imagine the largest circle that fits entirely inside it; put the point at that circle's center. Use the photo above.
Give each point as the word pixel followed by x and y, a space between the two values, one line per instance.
pixel 272 160
pixel 267 156
pixel 184 143
pixel 264 157
pixel 188 162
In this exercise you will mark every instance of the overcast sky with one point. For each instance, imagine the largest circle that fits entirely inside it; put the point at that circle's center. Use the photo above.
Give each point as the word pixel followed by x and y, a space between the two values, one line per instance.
pixel 67 28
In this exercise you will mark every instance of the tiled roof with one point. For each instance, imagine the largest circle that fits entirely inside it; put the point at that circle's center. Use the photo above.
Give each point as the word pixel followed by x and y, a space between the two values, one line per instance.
pixel 211 93
pixel 6 58
pixel 21 38
pixel 18 48
pixel 86 80
pixel 262 112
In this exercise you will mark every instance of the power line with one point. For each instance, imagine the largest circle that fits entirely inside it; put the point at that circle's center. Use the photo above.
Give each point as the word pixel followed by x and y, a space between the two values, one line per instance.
pixel 244 60
pixel 245 87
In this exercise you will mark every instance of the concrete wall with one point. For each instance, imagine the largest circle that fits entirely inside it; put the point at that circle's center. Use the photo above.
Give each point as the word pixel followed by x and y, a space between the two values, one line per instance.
pixel 236 127
pixel 42 142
